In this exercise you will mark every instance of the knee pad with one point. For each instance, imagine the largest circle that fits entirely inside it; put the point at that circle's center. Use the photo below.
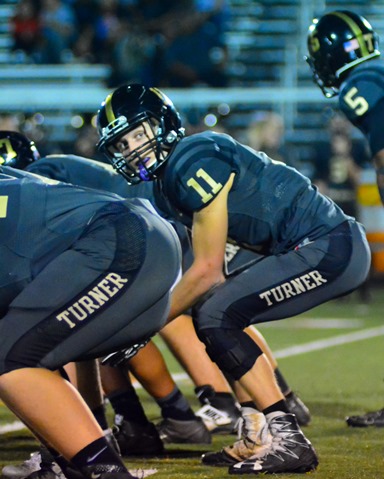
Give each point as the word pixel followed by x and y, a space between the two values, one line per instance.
pixel 232 350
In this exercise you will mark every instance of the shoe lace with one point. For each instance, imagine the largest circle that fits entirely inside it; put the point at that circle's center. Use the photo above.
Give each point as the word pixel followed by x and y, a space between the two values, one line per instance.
pixel 285 437
pixel 239 427
pixel 253 436
pixel 254 428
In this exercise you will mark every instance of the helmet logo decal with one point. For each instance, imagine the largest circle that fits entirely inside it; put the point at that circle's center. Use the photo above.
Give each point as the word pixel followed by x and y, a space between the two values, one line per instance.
pixel 356 31
pixel 314 44
pixel 351 46
pixel 9 152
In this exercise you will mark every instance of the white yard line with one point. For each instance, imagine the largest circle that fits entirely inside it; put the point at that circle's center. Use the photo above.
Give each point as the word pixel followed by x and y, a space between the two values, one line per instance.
pixel 13 426
pixel 317 345
pixel 329 342
pixel 282 353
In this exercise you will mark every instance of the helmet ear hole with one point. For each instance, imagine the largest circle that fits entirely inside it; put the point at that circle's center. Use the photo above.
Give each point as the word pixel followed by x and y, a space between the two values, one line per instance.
pixel 171 136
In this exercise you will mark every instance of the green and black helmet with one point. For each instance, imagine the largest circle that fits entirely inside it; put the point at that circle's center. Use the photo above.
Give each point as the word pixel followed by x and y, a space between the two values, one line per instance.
pixel 337 42
pixel 16 150
pixel 125 109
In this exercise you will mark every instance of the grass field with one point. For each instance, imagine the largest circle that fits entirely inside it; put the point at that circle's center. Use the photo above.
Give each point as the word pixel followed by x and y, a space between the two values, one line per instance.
pixel 337 369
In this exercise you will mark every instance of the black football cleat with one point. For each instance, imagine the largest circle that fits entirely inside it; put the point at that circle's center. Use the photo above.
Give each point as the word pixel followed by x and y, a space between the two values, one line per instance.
pixel 298 408
pixel 290 451
pixel 218 459
pixel 375 418
pixel 192 431
pixel 255 441
pixel 136 439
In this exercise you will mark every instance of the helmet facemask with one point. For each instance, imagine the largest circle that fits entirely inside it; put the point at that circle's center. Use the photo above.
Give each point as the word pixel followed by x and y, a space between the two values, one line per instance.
pixel 142 163
pixel 328 91
pixel 125 110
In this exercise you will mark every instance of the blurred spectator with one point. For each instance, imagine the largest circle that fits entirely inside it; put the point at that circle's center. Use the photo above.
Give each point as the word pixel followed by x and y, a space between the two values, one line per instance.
pixel 218 12
pixel 168 43
pixel 338 162
pixel 58 23
pixel 9 122
pixel 26 31
pixel 146 27
pixel 83 48
pixel 266 132
pixel 85 144
pixel 164 20
pixel 133 57
pixel 108 30
pixel 197 54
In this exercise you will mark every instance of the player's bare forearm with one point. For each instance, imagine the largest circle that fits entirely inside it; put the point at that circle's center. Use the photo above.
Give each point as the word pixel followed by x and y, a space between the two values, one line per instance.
pixel 191 288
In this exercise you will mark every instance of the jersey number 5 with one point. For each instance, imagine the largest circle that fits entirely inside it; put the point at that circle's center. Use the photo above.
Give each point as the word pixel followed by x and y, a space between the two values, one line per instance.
pixel 3 206
pixel 358 103
pixel 205 195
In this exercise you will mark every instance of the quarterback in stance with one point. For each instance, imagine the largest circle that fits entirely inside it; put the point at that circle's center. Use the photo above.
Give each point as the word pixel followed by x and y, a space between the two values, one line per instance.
pixel 82 274
pixel 310 250
pixel 343 53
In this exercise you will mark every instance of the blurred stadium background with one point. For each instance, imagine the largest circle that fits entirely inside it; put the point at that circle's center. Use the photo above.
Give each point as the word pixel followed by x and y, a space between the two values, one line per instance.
pixel 265 44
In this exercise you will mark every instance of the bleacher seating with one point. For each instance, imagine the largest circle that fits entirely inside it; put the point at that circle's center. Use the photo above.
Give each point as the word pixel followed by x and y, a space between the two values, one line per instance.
pixel 6 11
pixel 266 42
pixel 271 54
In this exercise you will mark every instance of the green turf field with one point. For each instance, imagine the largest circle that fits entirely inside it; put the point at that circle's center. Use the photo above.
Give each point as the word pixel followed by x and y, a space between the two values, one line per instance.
pixel 337 371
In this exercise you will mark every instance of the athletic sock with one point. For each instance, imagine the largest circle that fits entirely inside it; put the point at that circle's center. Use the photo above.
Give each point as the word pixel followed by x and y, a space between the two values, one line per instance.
pixel 127 404
pixel 223 401
pixel 248 404
pixel 277 406
pixel 176 406
pixel 98 457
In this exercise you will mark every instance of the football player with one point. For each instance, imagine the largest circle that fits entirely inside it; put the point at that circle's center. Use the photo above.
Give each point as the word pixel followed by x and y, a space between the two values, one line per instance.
pixel 310 251
pixel 83 273
pixel 343 53
pixel 218 411
pixel 135 434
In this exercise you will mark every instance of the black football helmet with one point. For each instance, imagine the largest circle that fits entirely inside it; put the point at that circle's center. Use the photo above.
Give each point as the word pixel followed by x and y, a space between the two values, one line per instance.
pixel 337 42
pixel 125 109
pixel 16 150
